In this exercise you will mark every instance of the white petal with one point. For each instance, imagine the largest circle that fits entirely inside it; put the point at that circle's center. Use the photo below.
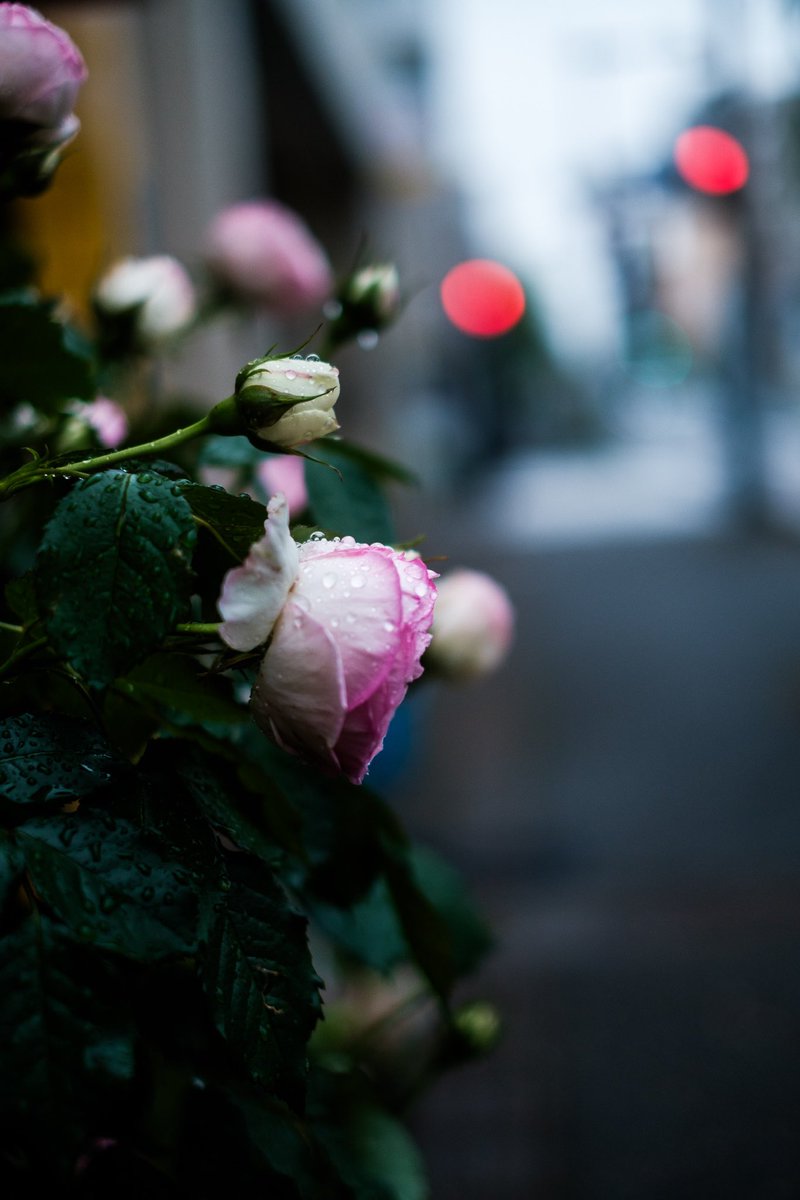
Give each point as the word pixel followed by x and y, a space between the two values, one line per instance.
pixel 254 593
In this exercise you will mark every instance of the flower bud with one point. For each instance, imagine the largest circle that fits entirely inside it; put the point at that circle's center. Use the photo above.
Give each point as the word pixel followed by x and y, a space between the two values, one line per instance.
pixel 142 303
pixel 284 473
pixel 262 253
pixel 376 289
pixel 365 303
pixel 473 626
pixel 41 71
pixel 286 402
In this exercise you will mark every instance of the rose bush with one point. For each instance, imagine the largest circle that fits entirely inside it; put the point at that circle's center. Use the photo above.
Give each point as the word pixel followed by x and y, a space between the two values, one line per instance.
pixel 192 691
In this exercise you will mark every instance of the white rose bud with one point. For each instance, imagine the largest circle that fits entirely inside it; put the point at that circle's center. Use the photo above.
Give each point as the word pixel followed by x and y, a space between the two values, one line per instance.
pixel 286 402
pixel 155 294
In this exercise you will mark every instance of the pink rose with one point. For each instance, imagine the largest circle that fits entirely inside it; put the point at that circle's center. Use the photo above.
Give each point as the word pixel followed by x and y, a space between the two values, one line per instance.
pixel 347 636
pixel 264 253
pixel 41 70
pixel 473 626
pixel 284 473
pixel 107 419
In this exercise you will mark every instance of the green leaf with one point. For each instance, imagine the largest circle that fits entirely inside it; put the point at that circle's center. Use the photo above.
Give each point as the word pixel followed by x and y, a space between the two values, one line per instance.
pixel 112 573
pixel 346 828
pixel 212 787
pixel 21 598
pixel 376 934
pixel 236 521
pixel 444 888
pixel 112 883
pixel 46 759
pixel 371 1150
pixel 11 866
pixel 218 451
pixel 176 686
pixel 283 1149
pixel 41 362
pixel 261 984
pixel 351 502
pixel 376 465
pixel 67 1047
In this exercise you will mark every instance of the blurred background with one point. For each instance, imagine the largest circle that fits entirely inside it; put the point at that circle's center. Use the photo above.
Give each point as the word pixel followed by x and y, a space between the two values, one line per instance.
pixel 622 795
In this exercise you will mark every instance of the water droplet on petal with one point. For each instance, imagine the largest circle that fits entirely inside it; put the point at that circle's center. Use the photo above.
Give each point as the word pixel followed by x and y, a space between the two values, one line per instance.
pixel 389 626
pixel 291 374
pixel 358 581
pixel 297 356
pixel 328 580
pixel 313 358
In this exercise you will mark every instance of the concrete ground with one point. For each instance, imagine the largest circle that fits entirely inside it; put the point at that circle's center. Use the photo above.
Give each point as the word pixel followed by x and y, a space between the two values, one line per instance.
pixel 623 797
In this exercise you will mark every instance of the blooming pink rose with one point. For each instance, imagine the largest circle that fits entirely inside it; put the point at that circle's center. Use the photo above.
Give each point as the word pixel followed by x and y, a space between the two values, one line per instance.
pixel 473 626
pixel 264 253
pixel 347 636
pixel 284 473
pixel 41 70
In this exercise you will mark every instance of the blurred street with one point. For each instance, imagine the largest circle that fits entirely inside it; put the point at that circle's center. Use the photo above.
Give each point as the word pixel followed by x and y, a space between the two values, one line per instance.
pixel 622 798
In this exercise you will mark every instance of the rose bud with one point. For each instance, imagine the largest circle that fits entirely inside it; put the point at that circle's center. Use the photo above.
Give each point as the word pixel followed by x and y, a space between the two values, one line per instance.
pixel 286 402
pixel 366 302
pixel 348 624
pixel 262 253
pixel 41 71
pixel 473 626
pixel 104 417
pixel 142 303
pixel 376 290
pixel 284 473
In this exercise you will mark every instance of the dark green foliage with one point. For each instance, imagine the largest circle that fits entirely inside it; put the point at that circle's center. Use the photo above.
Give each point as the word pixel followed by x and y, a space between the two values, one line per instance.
pixel 42 361
pixel 350 499
pixel 132 536
pixel 171 881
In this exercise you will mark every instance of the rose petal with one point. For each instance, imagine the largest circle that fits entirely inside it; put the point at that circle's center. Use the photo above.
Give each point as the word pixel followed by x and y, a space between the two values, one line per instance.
pixel 355 594
pixel 254 593
pixel 299 694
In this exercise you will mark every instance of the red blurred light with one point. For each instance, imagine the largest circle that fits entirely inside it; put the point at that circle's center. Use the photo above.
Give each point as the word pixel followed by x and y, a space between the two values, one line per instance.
pixel 710 160
pixel 482 298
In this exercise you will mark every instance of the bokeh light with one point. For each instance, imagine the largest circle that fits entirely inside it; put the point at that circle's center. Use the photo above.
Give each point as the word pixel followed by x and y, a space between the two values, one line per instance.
pixel 711 160
pixel 482 297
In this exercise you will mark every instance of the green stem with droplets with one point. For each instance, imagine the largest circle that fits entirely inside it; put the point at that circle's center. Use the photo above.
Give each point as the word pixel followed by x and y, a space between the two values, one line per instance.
pixel 222 419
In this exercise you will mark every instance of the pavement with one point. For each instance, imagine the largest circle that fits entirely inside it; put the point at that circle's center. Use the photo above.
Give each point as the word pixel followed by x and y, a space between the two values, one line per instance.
pixel 623 798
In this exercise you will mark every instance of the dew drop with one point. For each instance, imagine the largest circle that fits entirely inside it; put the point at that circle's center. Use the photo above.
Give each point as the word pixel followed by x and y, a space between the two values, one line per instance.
pixel 297 356
pixel 291 374
pixel 334 622
pixel 389 626
pixel 313 358
pixel 358 581
pixel 328 580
